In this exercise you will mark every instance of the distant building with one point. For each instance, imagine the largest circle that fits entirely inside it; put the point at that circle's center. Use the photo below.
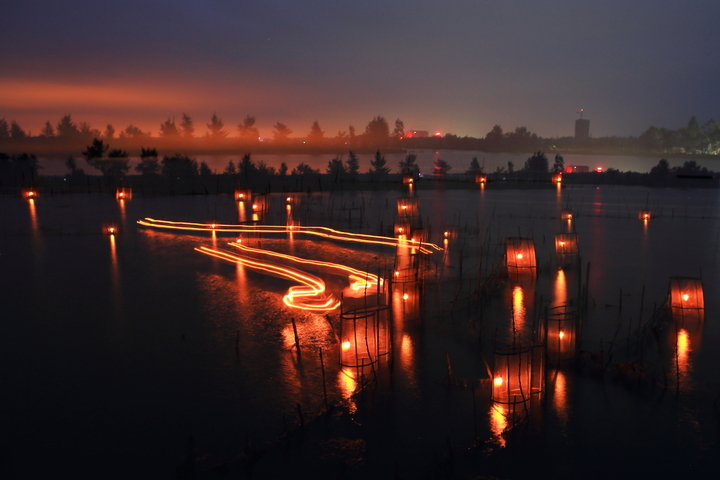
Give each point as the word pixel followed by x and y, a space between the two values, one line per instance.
pixel 582 129
pixel 416 134
pixel 576 168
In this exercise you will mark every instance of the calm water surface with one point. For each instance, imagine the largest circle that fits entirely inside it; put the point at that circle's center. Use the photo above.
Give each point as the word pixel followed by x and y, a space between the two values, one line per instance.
pixel 115 350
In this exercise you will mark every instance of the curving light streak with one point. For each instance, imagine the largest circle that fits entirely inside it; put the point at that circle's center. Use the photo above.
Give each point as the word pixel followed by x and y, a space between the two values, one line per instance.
pixel 326 232
pixel 359 280
pixel 310 295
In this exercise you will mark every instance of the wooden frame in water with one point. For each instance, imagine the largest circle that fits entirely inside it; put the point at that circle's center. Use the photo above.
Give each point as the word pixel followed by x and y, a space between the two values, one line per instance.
pixel 561 333
pixel 520 256
pixel 518 373
pixel 364 335
pixel 567 251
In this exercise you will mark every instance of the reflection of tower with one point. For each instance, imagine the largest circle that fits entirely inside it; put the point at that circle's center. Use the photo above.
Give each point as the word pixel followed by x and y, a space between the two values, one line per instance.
pixel 582 127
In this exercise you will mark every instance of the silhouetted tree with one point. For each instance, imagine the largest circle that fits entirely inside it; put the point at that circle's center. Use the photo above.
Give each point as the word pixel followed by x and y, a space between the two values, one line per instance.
pixel 281 133
pixel 230 169
pixel 96 150
pixel 353 165
pixel 510 167
pixel 336 169
pixel 66 128
pixel 408 165
pixel 149 164
pixel 399 130
pixel 204 169
pixel 4 130
pixel 690 167
pixel 131 131
pixel 283 169
pixel 538 163
pixel 559 165
pixel 168 129
pixel 109 132
pixel 440 167
pixel 48 131
pixel 187 126
pixel 303 169
pixel 264 169
pixel 377 132
pixel 16 131
pixel 87 132
pixel 179 166
pixel 475 167
pixel 692 136
pixel 316 135
pixel 378 166
pixel 661 171
pixel 494 139
pixel 247 131
pixel 216 128
pixel 74 171
pixel 247 168
pixel 351 135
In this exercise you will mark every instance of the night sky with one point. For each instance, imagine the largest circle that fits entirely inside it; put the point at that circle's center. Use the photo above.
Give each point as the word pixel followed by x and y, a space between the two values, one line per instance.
pixel 448 66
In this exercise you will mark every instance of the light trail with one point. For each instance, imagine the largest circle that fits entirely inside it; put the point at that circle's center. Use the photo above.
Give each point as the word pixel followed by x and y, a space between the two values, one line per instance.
pixel 310 295
pixel 359 280
pixel 423 247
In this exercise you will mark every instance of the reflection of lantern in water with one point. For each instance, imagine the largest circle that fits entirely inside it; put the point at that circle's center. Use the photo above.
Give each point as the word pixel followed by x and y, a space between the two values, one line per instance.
pixel 561 331
pixel 520 256
pixel 687 301
pixel 566 249
pixel 364 336
pixel 644 215
pixel 518 373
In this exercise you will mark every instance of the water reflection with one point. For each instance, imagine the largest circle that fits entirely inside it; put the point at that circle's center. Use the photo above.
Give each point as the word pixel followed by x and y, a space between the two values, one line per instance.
pixel 519 312
pixel 560 290
pixel 560 397
pixel 499 421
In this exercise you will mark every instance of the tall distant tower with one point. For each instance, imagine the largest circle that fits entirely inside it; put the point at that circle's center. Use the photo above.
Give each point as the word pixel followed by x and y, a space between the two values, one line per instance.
pixel 582 127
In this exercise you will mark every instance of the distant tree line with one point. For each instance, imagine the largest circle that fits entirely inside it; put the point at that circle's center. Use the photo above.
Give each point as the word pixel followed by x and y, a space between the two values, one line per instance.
pixel 183 134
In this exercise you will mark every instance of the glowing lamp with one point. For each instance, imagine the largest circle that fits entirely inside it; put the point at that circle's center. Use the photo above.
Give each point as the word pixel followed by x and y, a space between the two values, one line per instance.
pixel 405 296
pixel 364 335
pixel 480 178
pixel 520 256
pixel 566 249
pixel 561 327
pixel 644 215
pixel 446 234
pixel 254 207
pixel 288 199
pixel 110 229
pixel 243 195
pixel 30 194
pixel 557 178
pixel 566 214
pixel 404 207
pixel 518 373
pixel 686 298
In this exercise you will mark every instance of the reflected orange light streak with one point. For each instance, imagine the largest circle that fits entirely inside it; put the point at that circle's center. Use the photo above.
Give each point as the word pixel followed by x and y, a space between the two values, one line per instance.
pixel 560 288
pixel 359 280
pixel 424 247
pixel 560 400
pixel 310 295
pixel 683 352
pixel 518 297
pixel 498 422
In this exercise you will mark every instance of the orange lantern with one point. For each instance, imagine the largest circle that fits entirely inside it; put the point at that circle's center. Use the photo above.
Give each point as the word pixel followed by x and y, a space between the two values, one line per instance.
pixel 30 193
pixel 561 333
pixel 408 211
pixel 408 179
pixel 518 373
pixel 364 336
pixel 644 215
pixel 686 298
pixel 243 195
pixel 110 229
pixel 520 256
pixel 566 249
pixel 480 178
pixel 123 193
pixel 566 214
pixel 557 177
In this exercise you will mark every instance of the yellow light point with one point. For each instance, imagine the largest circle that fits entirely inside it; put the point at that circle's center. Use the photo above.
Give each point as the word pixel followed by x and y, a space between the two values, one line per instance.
pixel 310 295
pixel 498 381
pixel 569 216
pixel 325 232
pixel 561 334
pixel 288 199
pixel 346 345
pixel 406 296
pixel 111 230
pixel 562 243
pixel 255 206
pixel 404 207
pixel 400 230
pixel 685 297
pixel 397 274
pixel 446 234
pixel 358 279
pixel 241 196
pixel 519 255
